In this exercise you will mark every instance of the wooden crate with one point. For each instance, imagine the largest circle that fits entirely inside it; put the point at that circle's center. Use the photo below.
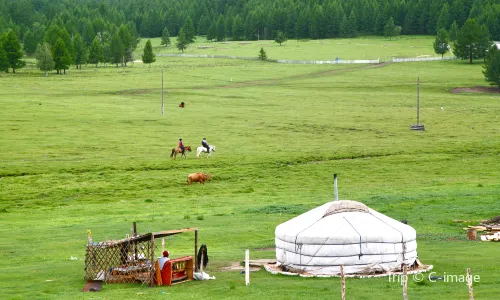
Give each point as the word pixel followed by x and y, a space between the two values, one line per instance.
pixel 177 270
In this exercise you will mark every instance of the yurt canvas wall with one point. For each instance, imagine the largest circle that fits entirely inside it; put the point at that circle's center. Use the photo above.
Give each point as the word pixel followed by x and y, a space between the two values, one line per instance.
pixel 345 233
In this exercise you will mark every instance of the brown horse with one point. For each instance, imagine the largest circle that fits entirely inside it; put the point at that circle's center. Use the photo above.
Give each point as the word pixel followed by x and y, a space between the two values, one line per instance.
pixel 179 150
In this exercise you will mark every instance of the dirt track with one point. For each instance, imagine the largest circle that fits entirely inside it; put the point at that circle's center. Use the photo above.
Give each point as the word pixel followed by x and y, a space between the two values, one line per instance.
pixel 477 89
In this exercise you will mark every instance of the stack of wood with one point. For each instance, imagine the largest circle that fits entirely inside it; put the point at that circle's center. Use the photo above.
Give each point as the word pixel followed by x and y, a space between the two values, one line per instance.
pixel 490 231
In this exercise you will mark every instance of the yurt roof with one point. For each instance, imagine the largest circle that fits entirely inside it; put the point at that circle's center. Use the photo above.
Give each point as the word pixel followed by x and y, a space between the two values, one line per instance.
pixel 344 222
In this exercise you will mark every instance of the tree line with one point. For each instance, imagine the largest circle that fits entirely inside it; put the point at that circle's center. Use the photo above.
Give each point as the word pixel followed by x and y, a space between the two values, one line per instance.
pixel 243 20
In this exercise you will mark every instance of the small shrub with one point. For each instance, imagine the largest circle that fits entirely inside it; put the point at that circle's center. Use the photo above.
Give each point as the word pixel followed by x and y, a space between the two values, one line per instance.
pixel 200 217
pixel 262 54
pixel 187 217
pixel 148 200
pixel 479 185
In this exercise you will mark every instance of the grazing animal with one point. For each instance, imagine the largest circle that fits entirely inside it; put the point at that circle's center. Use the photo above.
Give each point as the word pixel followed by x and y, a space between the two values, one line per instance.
pixel 198 177
pixel 179 150
pixel 202 149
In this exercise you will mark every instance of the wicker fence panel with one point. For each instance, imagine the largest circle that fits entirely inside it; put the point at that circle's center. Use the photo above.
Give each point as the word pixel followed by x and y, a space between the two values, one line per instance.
pixel 120 262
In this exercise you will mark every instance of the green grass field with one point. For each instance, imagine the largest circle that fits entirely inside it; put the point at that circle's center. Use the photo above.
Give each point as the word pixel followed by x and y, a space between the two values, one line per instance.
pixel 90 150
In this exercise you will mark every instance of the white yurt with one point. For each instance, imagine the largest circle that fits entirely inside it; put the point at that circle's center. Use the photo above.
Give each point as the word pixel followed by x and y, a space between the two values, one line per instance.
pixel 347 233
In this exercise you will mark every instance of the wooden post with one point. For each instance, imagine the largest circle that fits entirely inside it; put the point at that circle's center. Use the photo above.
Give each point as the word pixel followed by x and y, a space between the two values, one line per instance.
pixel 335 189
pixel 405 283
pixel 195 250
pixel 418 100
pixel 162 106
pixel 153 271
pixel 135 230
pixel 247 267
pixel 342 282
pixel 469 282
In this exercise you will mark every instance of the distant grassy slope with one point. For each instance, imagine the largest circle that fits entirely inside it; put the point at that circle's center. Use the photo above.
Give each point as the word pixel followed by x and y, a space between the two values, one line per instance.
pixel 347 49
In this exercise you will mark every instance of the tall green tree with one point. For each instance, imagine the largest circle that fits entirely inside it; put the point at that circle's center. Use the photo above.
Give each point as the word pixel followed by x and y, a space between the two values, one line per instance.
pixel 4 63
pixel 441 43
pixel 280 37
pixel 12 48
pixel 472 41
pixel 95 52
pixel 492 66
pixel 117 50
pixel 165 37
pixel 220 32
pixel 148 57
pixel 189 30
pixel 44 60
pixel 88 33
pixel 182 41
pixel 453 31
pixel 80 51
pixel 238 29
pixel 30 42
pixel 61 56
pixel 211 32
pixel 390 28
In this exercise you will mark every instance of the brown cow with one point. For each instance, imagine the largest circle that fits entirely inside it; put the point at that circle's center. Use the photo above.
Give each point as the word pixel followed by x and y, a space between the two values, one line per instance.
pixel 198 177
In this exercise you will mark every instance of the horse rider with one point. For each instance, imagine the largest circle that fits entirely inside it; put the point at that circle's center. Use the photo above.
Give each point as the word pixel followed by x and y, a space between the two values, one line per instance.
pixel 181 145
pixel 204 143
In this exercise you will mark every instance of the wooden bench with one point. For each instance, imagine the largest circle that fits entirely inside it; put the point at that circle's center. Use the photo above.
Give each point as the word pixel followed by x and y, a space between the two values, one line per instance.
pixel 177 270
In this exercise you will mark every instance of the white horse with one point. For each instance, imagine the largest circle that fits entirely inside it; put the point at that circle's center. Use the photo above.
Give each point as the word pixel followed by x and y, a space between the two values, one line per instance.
pixel 202 149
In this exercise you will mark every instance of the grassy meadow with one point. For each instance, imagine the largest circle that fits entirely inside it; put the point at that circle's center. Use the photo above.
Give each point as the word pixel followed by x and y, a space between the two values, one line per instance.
pixel 90 150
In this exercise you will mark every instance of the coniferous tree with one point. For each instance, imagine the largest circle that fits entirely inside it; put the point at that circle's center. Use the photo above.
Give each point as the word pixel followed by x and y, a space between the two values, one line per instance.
pixel 453 31
pixel 390 28
pixel 492 66
pixel 444 17
pixel 148 57
pixel 219 29
pixel 441 43
pixel 117 50
pixel 238 28
pixel 44 60
pixel 165 37
pixel 4 63
pixel 280 38
pixel 472 41
pixel 88 33
pixel 80 51
pixel 95 52
pixel 211 32
pixel 189 30
pixel 182 41
pixel 12 48
pixel 262 54
pixel 30 43
pixel 61 56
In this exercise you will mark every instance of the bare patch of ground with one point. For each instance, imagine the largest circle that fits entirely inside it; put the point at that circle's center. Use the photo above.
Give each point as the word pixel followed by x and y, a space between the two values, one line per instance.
pixel 255 265
pixel 477 89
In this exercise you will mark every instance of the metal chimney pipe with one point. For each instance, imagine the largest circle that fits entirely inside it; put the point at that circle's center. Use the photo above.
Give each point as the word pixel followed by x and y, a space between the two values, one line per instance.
pixel 335 189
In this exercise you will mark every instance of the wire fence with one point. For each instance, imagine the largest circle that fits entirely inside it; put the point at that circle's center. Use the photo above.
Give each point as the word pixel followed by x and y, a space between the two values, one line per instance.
pixel 412 59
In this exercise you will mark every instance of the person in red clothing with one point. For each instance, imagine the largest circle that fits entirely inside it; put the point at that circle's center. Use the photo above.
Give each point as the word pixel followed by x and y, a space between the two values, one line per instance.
pixel 181 146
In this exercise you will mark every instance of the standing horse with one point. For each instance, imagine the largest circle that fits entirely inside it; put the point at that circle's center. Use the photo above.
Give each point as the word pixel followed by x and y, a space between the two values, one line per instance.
pixel 202 149
pixel 179 150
